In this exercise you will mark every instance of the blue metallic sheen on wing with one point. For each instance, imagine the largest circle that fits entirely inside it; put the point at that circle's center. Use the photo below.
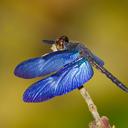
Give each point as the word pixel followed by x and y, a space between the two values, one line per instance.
pixel 70 77
pixel 45 64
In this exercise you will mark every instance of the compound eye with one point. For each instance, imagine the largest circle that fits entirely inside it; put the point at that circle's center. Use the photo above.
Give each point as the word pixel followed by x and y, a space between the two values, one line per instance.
pixel 60 44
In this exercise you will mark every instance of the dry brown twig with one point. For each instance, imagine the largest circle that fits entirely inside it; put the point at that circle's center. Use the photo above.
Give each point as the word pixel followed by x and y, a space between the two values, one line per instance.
pixel 99 122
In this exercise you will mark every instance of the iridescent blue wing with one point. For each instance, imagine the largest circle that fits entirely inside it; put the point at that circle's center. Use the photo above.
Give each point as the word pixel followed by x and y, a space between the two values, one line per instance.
pixel 45 64
pixel 68 78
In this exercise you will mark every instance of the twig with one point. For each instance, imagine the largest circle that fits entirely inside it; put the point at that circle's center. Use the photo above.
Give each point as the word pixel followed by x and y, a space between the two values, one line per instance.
pixel 91 105
pixel 99 122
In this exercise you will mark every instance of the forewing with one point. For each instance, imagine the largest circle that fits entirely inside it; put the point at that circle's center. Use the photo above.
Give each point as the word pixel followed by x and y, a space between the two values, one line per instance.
pixel 48 41
pixel 70 77
pixel 45 64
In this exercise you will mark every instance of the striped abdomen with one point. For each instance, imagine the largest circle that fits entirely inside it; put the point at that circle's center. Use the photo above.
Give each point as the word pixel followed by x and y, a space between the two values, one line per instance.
pixel 109 75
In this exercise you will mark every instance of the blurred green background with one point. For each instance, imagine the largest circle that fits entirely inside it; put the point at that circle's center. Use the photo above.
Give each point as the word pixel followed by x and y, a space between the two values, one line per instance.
pixel 102 25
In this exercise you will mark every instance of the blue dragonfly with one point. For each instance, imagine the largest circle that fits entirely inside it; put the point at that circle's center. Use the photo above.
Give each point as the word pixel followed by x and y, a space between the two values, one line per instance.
pixel 64 70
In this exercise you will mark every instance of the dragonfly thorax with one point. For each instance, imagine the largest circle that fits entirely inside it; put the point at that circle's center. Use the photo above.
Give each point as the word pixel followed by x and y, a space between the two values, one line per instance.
pixel 63 43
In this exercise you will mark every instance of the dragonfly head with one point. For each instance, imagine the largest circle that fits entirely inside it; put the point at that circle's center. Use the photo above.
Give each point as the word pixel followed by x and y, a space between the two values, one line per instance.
pixel 61 42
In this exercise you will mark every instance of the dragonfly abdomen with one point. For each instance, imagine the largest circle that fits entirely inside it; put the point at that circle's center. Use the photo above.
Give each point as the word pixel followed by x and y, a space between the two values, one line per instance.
pixel 110 76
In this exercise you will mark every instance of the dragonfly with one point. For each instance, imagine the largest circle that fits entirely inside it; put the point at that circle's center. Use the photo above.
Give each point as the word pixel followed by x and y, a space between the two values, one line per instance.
pixel 64 70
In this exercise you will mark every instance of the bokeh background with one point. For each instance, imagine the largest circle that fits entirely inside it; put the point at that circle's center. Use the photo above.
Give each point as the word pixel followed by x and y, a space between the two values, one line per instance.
pixel 101 25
